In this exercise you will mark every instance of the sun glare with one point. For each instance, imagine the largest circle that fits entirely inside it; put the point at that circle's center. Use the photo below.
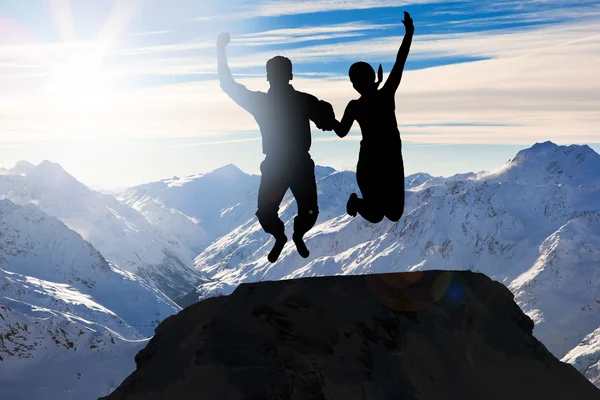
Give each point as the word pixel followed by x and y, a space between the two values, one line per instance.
pixel 77 82
pixel 80 103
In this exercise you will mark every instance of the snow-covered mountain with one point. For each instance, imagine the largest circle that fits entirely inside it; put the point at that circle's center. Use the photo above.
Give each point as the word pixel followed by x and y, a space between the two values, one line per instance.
pixel 561 292
pixel 44 263
pixel 49 355
pixel 21 168
pixel 586 356
pixel 70 322
pixel 198 208
pixel 123 235
pixel 547 163
pixel 417 180
pixel 531 224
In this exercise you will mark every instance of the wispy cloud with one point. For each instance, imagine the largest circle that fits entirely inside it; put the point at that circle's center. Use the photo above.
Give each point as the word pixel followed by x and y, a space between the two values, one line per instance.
pixel 151 33
pixel 524 42
pixel 282 37
pixel 311 33
pixel 200 144
pixel 277 8
pixel 523 16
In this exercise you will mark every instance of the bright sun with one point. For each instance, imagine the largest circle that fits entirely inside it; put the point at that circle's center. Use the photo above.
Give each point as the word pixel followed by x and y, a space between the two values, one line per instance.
pixel 81 105
pixel 78 82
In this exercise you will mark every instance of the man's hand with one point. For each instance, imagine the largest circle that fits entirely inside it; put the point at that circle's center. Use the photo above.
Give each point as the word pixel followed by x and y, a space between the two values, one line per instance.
pixel 325 118
pixel 223 40
pixel 408 23
pixel 328 125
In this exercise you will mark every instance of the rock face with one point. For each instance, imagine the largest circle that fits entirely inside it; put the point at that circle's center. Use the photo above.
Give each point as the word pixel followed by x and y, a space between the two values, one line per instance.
pixel 418 335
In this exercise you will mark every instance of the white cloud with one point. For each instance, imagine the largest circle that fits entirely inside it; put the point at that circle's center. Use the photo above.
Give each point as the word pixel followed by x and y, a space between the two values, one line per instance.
pixel 201 144
pixel 541 82
pixel 317 30
pixel 525 42
pixel 276 8
pixel 151 33
pixel 310 33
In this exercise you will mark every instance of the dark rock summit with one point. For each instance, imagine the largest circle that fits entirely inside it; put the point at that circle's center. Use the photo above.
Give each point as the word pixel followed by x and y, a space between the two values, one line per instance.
pixel 419 335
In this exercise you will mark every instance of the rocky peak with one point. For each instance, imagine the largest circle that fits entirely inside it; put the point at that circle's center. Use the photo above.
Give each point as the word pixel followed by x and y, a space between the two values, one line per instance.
pixel 417 335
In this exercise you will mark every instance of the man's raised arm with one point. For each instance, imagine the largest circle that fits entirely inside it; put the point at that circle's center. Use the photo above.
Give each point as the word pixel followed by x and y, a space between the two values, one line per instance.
pixel 225 76
pixel 395 77
pixel 238 93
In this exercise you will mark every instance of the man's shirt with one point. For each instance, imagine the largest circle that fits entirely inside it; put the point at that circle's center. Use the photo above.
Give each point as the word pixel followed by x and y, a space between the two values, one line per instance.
pixel 283 115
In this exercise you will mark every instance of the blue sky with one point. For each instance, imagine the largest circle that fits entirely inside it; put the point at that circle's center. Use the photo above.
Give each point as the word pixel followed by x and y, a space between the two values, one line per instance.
pixel 123 92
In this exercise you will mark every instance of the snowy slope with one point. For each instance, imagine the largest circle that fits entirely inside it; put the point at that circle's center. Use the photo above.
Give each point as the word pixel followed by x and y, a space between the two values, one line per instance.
pixel 48 355
pixel 122 234
pixel 560 290
pixel 70 322
pixel 531 224
pixel 418 179
pixel 21 168
pixel 547 163
pixel 44 263
pixel 501 223
pixel 201 208
pixel 586 356
pixel 9 180
pixel 197 208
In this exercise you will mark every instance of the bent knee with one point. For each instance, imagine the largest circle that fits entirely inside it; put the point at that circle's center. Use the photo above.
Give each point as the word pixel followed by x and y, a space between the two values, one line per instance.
pixel 308 212
pixel 394 217
pixel 266 214
pixel 374 218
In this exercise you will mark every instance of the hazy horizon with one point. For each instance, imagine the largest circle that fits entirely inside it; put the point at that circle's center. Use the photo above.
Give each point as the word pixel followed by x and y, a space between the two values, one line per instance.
pixel 486 158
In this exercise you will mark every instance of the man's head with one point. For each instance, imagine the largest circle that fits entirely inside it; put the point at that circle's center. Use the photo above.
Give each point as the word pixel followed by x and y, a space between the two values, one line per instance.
pixel 279 70
pixel 362 76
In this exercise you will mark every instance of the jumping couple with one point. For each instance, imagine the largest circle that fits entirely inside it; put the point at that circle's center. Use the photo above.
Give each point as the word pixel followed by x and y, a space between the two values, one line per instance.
pixel 284 114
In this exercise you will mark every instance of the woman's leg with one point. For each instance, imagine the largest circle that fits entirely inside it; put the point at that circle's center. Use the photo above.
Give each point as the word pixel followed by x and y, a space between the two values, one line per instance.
pixel 396 193
pixel 369 178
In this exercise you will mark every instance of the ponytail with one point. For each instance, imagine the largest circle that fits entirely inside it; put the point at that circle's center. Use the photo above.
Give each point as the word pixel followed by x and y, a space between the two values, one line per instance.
pixel 379 76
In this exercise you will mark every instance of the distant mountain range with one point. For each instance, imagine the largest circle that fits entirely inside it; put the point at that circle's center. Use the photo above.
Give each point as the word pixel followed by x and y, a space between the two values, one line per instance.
pixel 122 234
pixel 68 318
pixel 532 224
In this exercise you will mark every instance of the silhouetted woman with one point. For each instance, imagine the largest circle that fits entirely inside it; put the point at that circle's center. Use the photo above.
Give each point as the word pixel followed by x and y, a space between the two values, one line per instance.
pixel 380 168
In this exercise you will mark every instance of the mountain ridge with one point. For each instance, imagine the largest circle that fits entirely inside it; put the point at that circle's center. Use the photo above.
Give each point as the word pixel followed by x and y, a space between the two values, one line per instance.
pixel 70 321
pixel 121 233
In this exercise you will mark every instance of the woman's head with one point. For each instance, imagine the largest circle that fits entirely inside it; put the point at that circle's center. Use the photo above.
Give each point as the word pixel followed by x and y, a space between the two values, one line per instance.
pixel 362 76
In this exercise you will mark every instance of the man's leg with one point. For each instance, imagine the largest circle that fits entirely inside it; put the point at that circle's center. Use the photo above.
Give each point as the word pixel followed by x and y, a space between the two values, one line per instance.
pixel 272 189
pixel 304 188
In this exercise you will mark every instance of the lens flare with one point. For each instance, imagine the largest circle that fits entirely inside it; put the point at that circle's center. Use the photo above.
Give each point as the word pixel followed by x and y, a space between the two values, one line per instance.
pixel 410 291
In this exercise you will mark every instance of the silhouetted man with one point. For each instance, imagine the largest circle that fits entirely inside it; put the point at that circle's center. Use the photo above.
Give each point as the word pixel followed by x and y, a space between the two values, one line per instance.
pixel 283 115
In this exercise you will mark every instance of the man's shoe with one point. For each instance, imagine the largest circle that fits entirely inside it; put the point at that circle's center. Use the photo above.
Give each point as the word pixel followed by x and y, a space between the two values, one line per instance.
pixel 352 205
pixel 300 246
pixel 277 248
